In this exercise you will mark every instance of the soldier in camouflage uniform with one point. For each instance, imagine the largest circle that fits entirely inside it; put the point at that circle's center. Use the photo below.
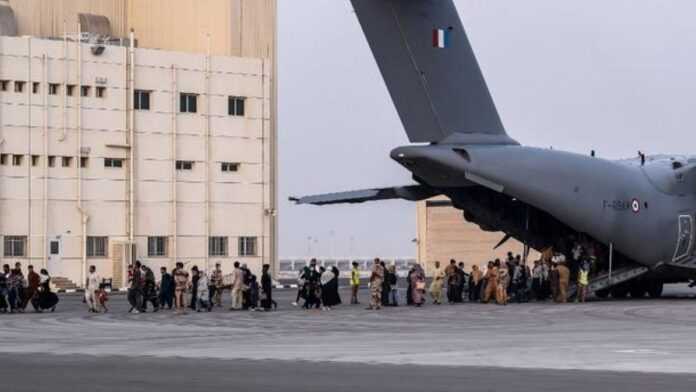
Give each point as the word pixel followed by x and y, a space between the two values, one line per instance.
pixel 376 281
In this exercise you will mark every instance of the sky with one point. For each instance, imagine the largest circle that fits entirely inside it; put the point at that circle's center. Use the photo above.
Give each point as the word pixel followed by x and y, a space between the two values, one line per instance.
pixel 614 76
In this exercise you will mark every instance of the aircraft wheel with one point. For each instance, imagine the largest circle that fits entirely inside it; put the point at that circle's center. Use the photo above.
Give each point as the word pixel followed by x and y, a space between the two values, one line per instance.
pixel 602 293
pixel 655 290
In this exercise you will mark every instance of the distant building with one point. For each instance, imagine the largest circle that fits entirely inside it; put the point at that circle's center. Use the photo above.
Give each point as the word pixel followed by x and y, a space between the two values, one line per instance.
pixel 164 152
pixel 443 234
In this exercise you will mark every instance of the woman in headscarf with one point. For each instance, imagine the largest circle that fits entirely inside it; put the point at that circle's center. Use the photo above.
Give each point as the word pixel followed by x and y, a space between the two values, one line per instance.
pixel 418 285
pixel 329 288
pixel 45 298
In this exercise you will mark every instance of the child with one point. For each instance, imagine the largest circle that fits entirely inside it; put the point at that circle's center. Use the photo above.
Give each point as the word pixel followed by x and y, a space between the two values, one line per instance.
pixel 102 298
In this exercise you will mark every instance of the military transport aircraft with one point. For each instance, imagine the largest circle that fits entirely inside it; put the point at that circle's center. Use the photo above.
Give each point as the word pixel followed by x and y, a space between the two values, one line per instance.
pixel 639 214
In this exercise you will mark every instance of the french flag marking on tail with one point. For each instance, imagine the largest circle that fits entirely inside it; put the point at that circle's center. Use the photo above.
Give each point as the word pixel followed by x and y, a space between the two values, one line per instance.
pixel 441 38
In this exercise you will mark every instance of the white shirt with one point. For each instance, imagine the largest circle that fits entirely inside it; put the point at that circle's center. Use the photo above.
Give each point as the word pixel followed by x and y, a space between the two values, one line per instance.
pixel 93 281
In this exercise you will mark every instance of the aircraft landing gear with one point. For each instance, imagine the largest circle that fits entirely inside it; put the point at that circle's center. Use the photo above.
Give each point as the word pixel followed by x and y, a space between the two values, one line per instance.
pixel 655 288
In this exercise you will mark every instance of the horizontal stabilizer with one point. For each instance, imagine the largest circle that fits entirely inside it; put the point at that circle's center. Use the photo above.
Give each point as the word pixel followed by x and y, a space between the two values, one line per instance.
pixel 410 193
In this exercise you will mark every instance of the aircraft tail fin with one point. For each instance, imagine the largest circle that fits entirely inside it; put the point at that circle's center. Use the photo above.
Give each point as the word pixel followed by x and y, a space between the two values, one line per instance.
pixel 430 69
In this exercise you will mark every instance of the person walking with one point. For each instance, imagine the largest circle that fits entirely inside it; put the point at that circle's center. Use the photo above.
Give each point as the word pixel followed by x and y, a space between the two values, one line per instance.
pixel 437 284
pixel 354 284
pixel 166 289
pixel 501 294
pixel 237 286
pixel 15 283
pixel 150 289
pixel 475 279
pixel 195 276
pixel 394 285
pixel 137 286
pixel 45 298
pixel 216 285
pixel 583 281
pixel 92 289
pixel 491 281
pixel 418 285
pixel 452 277
pixel 329 289
pixel 267 302
pixel 33 281
pixel 563 280
pixel 5 288
pixel 409 286
pixel 386 285
pixel 181 284
pixel 203 295
pixel 376 280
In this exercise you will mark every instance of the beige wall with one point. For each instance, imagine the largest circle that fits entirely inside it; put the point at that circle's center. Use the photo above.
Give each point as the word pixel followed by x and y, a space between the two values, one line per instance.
pixel 168 202
pixel 241 28
pixel 244 28
pixel 443 234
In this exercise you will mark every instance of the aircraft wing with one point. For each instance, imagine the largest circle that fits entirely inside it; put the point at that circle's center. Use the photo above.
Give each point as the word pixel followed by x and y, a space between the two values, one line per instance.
pixel 409 192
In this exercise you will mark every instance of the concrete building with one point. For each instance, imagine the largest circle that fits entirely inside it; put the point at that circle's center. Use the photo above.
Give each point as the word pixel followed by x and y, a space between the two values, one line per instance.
pixel 443 234
pixel 161 152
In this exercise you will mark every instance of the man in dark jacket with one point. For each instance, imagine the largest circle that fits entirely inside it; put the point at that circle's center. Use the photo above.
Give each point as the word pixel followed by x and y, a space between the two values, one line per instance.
pixel 267 302
pixel 166 289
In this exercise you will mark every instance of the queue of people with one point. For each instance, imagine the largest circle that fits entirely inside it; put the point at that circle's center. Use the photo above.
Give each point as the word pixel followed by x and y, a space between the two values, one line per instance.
pixel 182 290
pixel 499 281
pixel 197 290
pixel 18 291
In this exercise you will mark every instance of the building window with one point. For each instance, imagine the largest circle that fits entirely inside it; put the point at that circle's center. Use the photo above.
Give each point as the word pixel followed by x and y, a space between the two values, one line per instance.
pixel 188 103
pixel 51 161
pixel 113 162
pixel 35 87
pixel 229 166
pixel 217 246
pixel 84 161
pixel 235 106
pixel 184 165
pixel 157 246
pixel 100 91
pixel 96 246
pixel 53 88
pixel 4 84
pixel 15 245
pixel 18 86
pixel 54 248
pixel 85 91
pixel 141 100
pixel 3 159
pixel 35 160
pixel 247 246
pixel 66 161
pixel 17 160
pixel 69 90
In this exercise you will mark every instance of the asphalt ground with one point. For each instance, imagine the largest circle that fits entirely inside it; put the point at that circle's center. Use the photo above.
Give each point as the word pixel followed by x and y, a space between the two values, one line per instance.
pixel 631 345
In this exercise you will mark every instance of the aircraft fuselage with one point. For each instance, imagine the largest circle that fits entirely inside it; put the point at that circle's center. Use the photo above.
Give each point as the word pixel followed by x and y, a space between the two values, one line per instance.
pixel 645 211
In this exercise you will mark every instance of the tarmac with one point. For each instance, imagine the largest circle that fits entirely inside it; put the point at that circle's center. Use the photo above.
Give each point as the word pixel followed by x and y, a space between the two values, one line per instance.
pixel 631 345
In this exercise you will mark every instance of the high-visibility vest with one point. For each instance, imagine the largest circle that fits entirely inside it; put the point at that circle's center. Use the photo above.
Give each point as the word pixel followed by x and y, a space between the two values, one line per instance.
pixel 583 277
pixel 355 277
